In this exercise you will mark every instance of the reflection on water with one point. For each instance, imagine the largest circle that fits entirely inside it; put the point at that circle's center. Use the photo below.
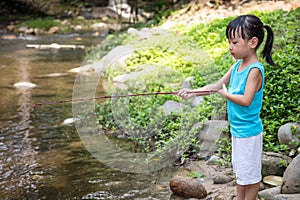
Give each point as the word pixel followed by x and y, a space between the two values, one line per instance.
pixel 40 158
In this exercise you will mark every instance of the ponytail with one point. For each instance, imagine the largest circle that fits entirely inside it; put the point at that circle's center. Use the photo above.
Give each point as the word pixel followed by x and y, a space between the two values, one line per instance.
pixel 251 26
pixel 266 53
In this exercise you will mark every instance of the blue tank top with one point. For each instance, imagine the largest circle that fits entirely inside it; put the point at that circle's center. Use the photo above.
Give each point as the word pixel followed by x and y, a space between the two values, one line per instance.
pixel 245 120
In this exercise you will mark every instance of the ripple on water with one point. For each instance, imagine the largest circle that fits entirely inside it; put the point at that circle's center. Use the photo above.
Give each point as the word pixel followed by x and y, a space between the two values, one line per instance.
pixel 3 147
pixel 99 195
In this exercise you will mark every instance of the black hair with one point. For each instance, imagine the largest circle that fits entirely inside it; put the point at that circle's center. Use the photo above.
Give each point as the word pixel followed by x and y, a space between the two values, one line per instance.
pixel 251 26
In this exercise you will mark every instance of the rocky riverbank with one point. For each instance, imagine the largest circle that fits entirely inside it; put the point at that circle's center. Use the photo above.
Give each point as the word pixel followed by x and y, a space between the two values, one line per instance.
pixel 98 19
pixel 214 176
pixel 218 180
pixel 109 18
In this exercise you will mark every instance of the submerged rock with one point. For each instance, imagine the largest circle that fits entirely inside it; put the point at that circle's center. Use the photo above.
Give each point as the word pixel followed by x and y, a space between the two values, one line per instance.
pixel 8 37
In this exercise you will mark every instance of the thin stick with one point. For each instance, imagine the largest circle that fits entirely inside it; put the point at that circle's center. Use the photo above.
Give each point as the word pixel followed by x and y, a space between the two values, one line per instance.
pixel 204 92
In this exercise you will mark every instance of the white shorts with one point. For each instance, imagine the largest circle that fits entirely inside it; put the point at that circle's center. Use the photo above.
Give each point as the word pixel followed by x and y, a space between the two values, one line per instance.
pixel 246 159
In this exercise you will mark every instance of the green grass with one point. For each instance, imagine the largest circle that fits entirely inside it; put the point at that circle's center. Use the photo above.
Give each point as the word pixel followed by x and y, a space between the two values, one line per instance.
pixel 41 23
pixel 281 96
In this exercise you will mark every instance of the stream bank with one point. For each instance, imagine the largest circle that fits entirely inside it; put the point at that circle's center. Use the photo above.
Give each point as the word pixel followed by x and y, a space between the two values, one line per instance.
pixel 272 163
pixel 64 176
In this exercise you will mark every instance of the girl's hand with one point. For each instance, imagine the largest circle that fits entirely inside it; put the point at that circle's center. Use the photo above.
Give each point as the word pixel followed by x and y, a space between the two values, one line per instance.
pixel 184 93
pixel 223 92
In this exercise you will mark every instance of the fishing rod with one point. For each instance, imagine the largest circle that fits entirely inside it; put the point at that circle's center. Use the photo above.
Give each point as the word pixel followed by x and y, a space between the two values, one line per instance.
pixel 200 93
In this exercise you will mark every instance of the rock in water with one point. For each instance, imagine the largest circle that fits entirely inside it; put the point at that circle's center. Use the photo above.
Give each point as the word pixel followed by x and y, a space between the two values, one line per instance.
pixel 187 188
pixel 53 75
pixel 24 85
pixel 70 121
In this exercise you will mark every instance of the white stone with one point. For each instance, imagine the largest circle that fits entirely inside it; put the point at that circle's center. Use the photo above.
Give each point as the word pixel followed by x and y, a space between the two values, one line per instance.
pixel 53 75
pixel 70 121
pixel 24 85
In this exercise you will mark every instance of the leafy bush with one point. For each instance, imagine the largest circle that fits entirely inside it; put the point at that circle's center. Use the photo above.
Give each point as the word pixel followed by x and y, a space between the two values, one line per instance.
pixel 282 92
pixel 281 95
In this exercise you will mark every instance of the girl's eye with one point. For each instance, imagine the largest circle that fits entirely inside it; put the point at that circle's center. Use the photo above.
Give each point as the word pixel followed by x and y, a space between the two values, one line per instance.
pixel 234 42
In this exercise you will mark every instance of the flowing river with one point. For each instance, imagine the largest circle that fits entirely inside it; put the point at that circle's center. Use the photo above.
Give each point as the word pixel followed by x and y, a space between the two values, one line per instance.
pixel 39 157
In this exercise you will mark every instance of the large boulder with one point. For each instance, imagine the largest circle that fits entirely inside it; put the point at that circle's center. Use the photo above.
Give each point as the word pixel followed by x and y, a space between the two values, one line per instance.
pixel 135 75
pixel 287 135
pixel 286 197
pixel 171 106
pixel 116 58
pixel 269 194
pixel 211 132
pixel 291 177
pixel 104 13
pixel 187 188
pixel 186 83
pixel 274 163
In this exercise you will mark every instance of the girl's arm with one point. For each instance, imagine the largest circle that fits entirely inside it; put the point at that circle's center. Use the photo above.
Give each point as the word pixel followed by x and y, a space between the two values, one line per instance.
pixel 212 87
pixel 254 83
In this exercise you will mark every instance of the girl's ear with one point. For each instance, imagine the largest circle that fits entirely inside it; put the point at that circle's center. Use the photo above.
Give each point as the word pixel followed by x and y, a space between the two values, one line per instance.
pixel 253 42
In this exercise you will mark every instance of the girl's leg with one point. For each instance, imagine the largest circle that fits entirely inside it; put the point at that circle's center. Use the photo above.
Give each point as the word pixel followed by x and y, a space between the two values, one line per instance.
pixel 247 192
pixel 251 191
pixel 241 192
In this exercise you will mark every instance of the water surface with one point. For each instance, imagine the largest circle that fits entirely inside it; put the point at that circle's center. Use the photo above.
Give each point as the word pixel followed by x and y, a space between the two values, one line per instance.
pixel 39 157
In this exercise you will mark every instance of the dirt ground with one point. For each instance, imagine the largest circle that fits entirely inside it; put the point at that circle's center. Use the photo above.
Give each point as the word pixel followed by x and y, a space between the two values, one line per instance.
pixel 215 191
pixel 196 13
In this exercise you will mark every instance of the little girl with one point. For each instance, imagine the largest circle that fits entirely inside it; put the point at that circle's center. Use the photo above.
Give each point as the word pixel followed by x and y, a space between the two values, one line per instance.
pixel 245 93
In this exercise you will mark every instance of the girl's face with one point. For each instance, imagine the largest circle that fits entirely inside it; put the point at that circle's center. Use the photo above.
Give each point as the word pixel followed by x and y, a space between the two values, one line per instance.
pixel 239 47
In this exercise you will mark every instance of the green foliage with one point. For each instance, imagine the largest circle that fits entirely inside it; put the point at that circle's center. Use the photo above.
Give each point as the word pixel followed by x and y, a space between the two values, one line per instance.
pixel 194 174
pixel 295 130
pixel 281 97
pixel 105 115
pixel 41 23
pixel 283 163
pixel 211 37
pixel 224 150
pixel 282 92
pixel 185 56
